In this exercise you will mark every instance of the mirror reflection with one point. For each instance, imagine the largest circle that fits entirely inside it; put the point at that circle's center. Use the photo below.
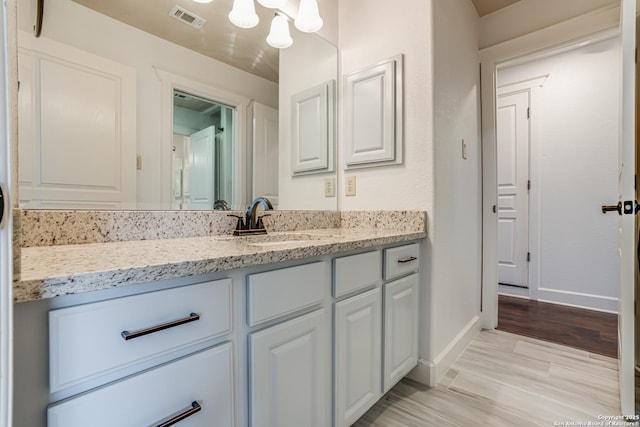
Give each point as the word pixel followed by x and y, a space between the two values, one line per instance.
pixel 201 155
pixel 104 120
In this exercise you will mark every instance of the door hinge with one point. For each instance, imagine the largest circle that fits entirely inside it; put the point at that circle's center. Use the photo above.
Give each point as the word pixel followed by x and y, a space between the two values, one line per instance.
pixel 528 256
pixel 529 185
pixel 528 112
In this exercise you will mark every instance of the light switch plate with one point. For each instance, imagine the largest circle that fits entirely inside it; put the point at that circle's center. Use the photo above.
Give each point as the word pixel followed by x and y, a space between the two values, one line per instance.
pixel 330 187
pixel 350 186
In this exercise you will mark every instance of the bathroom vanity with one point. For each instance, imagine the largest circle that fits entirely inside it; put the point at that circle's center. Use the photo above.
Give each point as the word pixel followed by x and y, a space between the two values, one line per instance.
pixel 298 328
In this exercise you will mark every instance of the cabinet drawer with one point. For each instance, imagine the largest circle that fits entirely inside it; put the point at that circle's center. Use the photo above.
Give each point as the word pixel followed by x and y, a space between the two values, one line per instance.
pixel 87 342
pixel 401 260
pixel 356 272
pixel 157 395
pixel 275 293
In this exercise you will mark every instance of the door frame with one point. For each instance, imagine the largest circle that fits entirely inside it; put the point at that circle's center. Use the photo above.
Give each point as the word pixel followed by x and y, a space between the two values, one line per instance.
pixel 240 104
pixel 6 230
pixel 591 27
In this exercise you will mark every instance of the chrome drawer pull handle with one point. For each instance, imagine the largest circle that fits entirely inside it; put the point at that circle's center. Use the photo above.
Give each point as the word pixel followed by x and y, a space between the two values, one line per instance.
pixel 195 407
pixel 142 332
pixel 406 260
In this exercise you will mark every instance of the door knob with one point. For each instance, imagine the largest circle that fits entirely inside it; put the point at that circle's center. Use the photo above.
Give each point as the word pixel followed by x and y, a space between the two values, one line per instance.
pixel 612 208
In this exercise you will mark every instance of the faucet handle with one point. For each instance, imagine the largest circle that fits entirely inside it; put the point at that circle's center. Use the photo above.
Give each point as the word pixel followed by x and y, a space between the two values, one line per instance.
pixel 259 223
pixel 240 225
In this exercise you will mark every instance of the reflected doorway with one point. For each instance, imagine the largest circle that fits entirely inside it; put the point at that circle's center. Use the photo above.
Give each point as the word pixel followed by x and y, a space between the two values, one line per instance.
pixel 202 153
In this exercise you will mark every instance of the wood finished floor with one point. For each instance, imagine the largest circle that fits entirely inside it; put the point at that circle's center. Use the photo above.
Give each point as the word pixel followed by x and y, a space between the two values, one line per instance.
pixel 506 380
pixel 588 330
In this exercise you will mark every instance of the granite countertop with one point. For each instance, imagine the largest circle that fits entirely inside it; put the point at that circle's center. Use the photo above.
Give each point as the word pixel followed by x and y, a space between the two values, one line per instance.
pixel 50 271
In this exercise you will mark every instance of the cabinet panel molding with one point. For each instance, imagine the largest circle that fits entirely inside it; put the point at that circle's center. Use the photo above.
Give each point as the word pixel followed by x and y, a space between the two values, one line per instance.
pixel 374 115
pixel 313 129
pixel 289 373
pixel 400 329
pixel 358 357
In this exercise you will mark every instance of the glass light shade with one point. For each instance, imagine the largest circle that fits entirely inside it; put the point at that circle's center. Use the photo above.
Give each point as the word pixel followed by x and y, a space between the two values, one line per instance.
pixel 279 36
pixel 308 19
pixel 273 4
pixel 243 14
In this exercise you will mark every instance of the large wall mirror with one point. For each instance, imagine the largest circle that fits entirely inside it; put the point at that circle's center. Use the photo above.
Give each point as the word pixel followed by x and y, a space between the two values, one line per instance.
pixel 123 105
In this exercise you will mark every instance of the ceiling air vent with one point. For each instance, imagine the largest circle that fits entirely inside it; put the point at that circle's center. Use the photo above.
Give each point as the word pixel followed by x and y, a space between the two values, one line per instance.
pixel 182 14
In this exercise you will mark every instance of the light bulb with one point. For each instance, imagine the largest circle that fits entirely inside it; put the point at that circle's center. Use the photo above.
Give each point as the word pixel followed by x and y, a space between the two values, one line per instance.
pixel 279 36
pixel 273 4
pixel 243 14
pixel 308 19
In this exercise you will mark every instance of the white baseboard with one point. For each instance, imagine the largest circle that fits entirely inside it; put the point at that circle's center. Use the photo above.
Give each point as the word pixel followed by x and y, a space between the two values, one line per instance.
pixel 513 291
pixel 430 373
pixel 577 299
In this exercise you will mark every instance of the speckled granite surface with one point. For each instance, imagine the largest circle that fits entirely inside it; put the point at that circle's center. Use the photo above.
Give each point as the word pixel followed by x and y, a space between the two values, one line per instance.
pixel 59 227
pixel 67 252
pixel 52 271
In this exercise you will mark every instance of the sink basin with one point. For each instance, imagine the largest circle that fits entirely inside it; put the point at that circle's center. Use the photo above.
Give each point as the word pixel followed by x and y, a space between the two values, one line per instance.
pixel 281 238
pixel 280 242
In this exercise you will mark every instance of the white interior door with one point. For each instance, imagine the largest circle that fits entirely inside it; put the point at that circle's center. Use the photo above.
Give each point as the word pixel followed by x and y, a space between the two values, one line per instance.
pixel 627 223
pixel 6 272
pixel 83 155
pixel 513 199
pixel 201 169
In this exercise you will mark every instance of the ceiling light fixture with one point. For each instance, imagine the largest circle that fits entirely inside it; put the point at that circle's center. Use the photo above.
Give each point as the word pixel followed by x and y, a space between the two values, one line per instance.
pixel 308 19
pixel 203 1
pixel 243 14
pixel 273 4
pixel 279 36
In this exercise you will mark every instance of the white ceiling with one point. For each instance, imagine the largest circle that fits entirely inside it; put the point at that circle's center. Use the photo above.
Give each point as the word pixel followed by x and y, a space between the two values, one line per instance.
pixel 219 38
pixel 245 49
pixel 485 7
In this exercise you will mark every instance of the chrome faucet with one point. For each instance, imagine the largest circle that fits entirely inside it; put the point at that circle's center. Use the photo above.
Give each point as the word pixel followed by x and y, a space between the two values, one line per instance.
pixel 251 223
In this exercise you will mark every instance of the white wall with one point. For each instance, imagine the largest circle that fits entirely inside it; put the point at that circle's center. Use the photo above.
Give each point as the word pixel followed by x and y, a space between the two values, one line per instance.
pixel 455 275
pixel 509 22
pixel 439 39
pixel 70 23
pixel 310 61
pixel 574 169
pixel 372 31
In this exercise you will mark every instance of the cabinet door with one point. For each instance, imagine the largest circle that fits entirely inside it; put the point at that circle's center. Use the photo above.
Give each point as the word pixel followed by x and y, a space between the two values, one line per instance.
pixel 201 384
pixel 289 373
pixel 358 355
pixel 400 329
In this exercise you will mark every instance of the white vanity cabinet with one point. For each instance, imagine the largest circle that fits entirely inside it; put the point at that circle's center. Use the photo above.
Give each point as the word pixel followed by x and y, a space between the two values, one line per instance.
pixel 313 342
pixel 289 362
pixel 376 330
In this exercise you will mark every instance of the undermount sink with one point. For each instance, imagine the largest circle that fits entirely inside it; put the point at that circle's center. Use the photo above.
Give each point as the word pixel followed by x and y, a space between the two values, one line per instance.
pixel 281 238
pixel 280 242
